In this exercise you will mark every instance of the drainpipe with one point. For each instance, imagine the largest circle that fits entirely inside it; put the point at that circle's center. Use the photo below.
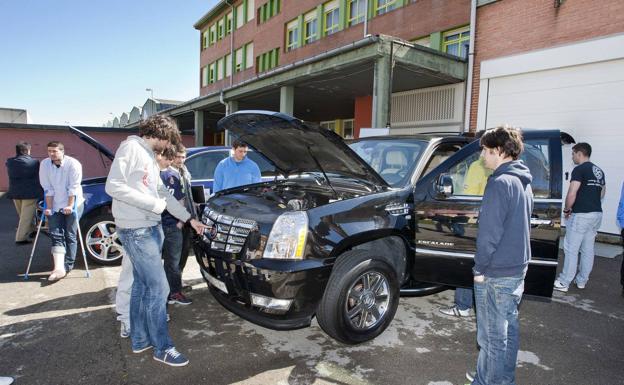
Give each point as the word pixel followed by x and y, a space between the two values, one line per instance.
pixel 366 19
pixel 231 44
pixel 226 134
pixel 473 31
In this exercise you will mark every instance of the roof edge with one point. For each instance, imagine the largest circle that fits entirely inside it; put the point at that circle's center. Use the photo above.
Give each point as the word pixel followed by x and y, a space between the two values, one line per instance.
pixel 208 15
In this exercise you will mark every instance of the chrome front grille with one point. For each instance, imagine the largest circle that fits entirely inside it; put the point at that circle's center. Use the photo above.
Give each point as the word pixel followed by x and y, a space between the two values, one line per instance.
pixel 226 233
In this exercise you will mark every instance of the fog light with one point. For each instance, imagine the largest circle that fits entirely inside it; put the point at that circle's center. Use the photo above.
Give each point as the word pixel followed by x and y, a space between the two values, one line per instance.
pixel 270 303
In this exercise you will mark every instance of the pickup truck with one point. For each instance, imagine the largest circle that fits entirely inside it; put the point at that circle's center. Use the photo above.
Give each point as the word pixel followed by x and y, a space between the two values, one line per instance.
pixel 346 229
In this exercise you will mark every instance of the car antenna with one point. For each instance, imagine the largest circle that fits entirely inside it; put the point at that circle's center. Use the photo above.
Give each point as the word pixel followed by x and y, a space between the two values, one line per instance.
pixel 323 171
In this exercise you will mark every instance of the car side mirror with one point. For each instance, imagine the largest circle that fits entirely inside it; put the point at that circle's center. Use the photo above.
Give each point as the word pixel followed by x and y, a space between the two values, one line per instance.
pixel 444 186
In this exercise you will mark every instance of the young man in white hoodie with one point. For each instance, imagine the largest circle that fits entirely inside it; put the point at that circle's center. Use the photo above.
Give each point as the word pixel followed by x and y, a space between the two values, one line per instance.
pixel 139 198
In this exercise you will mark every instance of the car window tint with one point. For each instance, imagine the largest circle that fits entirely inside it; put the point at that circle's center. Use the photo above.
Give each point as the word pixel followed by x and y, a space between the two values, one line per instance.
pixel 202 166
pixel 469 175
pixel 536 157
pixel 442 153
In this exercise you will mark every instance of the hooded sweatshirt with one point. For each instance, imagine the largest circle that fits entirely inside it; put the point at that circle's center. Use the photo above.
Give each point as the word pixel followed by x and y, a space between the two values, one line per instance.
pixel 139 196
pixel 504 234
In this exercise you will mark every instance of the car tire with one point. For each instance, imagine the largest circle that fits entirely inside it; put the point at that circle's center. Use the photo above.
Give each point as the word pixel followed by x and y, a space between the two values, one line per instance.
pixel 361 298
pixel 100 239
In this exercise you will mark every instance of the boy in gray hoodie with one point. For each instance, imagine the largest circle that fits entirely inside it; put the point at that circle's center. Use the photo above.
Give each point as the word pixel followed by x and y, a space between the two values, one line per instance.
pixel 139 198
pixel 502 256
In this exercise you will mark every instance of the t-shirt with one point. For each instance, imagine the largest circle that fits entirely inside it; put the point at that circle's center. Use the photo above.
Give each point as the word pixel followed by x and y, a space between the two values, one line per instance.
pixel 592 180
pixel 230 173
pixel 172 181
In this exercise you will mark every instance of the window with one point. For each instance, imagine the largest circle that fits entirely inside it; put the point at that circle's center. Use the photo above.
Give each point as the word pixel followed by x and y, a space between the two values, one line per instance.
pixel 228 23
pixel 329 125
pixel 202 166
pixel 220 68
pixel 204 39
pixel 292 35
pixel 250 10
pixel 356 9
pixel 347 129
pixel 220 29
pixel 228 65
pixel 457 42
pixel 384 6
pixel 310 27
pixel 268 10
pixel 267 60
pixel 238 65
pixel 240 16
pixel 249 55
pixel 331 15
pixel 211 72
pixel 536 158
pixel 213 34
pixel 204 76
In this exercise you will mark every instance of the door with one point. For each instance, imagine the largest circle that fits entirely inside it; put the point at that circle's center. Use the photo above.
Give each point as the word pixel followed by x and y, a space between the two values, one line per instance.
pixel 447 222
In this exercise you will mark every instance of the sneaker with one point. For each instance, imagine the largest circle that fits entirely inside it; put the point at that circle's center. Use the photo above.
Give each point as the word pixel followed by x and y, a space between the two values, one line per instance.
pixel 580 285
pixel 172 357
pixel 455 311
pixel 124 331
pixel 560 286
pixel 179 298
pixel 141 350
pixel 470 376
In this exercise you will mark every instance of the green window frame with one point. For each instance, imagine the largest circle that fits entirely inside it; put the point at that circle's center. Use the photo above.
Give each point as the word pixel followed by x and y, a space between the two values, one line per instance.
pixel 239 58
pixel 456 42
pixel 204 76
pixel 240 15
pixel 213 34
pixel 385 6
pixel 310 28
pixel 220 29
pixel 331 19
pixel 356 11
pixel 204 39
pixel 211 73
pixel 268 10
pixel 229 20
pixel 292 35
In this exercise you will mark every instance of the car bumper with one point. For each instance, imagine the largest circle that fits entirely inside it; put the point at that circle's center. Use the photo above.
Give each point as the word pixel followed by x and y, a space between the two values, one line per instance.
pixel 279 295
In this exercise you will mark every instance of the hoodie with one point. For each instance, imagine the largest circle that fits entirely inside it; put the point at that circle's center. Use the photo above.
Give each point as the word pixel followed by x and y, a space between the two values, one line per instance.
pixel 504 234
pixel 139 195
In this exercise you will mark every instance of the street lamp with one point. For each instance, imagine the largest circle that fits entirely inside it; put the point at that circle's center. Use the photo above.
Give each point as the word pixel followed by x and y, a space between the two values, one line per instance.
pixel 151 92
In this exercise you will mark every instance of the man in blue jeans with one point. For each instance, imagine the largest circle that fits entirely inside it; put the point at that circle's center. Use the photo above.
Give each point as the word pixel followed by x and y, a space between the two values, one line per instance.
pixel 583 211
pixel 139 198
pixel 60 176
pixel 502 255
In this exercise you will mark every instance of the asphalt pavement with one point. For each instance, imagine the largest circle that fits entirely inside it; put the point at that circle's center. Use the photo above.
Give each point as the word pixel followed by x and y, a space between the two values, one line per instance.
pixel 66 333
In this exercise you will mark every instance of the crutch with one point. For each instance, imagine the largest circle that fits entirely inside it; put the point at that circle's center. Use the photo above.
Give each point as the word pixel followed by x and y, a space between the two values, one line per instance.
pixel 32 252
pixel 84 255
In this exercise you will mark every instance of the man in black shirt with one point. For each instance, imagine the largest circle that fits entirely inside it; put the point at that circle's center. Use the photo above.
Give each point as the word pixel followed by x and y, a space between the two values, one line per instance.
pixel 583 211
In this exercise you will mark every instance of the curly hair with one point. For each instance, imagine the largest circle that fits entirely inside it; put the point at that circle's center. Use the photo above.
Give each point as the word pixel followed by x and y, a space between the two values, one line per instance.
pixel 160 127
pixel 169 152
pixel 505 138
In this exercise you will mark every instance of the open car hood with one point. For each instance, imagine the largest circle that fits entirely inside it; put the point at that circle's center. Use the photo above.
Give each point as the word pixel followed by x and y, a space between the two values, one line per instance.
pixel 294 146
pixel 94 143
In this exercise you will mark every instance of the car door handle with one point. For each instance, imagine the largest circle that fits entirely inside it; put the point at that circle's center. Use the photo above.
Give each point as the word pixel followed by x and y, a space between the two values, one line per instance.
pixel 537 221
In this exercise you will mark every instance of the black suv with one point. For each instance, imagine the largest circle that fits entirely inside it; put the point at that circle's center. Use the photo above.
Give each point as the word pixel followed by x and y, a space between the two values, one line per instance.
pixel 346 228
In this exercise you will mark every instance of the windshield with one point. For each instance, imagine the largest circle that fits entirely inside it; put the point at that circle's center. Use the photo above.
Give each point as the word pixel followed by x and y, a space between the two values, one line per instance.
pixel 393 159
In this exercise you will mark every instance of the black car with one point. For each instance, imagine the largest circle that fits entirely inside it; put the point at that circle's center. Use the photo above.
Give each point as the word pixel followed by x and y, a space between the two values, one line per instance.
pixel 351 227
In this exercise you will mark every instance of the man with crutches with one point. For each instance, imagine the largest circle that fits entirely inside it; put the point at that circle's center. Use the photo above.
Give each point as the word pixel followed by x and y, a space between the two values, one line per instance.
pixel 60 176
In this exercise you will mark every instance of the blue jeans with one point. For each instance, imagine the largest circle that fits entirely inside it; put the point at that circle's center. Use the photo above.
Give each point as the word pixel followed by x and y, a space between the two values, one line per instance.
pixel 171 252
pixel 497 301
pixel 148 313
pixel 463 298
pixel 581 229
pixel 63 230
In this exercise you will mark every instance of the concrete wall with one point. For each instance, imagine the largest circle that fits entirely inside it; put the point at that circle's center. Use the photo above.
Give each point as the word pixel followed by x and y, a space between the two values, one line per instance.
pixel 92 165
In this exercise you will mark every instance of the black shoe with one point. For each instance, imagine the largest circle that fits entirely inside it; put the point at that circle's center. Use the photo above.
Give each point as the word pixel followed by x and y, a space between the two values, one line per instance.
pixel 24 242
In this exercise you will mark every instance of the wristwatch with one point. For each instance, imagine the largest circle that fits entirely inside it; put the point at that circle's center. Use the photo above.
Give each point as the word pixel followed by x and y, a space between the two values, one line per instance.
pixel 567 211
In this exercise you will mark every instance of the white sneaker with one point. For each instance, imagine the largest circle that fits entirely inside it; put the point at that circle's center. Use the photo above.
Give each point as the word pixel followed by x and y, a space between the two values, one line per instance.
pixel 560 286
pixel 124 331
pixel 580 285
pixel 455 311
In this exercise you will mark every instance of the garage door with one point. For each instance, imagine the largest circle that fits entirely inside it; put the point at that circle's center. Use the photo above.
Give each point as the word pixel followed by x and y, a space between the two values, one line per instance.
pixel 585 100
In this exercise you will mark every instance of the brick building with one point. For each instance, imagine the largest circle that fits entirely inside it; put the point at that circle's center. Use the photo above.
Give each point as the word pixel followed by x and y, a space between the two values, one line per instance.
pixel 346 64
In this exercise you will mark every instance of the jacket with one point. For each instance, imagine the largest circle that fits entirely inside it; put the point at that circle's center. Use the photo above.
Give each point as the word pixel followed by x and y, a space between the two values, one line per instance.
pixel 139 196
pixel 504 234
pixel 23 171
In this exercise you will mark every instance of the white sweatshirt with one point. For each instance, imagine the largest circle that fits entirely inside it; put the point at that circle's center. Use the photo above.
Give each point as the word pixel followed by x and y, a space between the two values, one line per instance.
pixel 139 196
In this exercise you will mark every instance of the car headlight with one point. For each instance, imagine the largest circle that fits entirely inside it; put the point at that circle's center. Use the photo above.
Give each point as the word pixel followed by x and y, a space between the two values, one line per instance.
pixel 288 236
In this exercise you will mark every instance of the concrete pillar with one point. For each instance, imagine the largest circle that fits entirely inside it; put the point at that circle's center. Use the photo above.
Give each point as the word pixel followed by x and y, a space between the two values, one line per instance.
pixel 232 106
pixel 381 92
pixel 287 100
pixel 199 128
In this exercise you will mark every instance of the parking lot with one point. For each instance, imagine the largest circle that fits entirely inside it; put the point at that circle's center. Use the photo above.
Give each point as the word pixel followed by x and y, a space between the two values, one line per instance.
pixel 66 333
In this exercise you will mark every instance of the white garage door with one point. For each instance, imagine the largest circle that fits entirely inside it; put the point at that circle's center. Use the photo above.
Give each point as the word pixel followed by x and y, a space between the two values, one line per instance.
pixel 586 100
